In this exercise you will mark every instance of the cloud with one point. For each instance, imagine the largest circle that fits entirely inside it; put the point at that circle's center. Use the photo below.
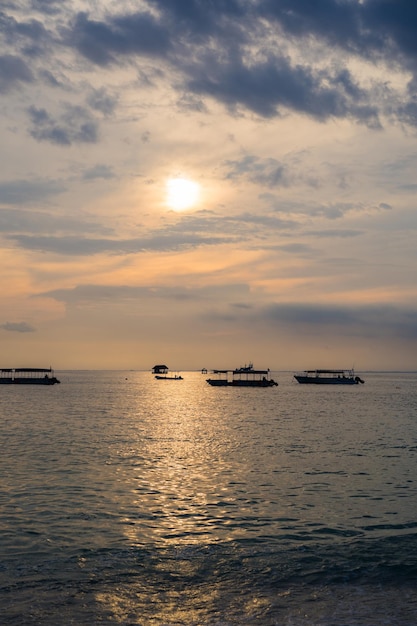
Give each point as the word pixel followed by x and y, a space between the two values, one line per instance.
pixel 20 192
pixel 75 125
pixel 98 171
pixel 112 293
pixel 209 44
pixel 101 100
pixel 240 225
pixel 13 71
pixel 266 172
pixel 17 327
pixel 364 321
pixel 102 43
pixel 272 86
pixel 330 211
pixel 47 6
pixel 265 57
pixel 331 233
pixel 82 246
pixel 33 221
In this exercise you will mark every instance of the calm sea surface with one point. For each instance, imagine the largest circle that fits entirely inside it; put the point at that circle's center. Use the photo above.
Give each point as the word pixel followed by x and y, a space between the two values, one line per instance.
pixel 126 500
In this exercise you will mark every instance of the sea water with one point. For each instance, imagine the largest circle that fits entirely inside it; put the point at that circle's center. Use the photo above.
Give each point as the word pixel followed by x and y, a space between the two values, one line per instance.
pixel 127 500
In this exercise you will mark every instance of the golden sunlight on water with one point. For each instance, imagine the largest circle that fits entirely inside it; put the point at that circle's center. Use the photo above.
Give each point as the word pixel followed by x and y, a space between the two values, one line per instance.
pixel 182 492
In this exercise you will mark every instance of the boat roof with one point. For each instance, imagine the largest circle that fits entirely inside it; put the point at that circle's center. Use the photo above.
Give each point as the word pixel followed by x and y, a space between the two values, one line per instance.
pixel 27 369
pixel 327 371
pixel 247 370
pixel 241 370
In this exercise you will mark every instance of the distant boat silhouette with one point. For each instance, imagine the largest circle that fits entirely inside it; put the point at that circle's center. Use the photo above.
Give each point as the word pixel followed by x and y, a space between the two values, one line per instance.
pixel 242 377
pixel 162 373
pixel 28 376
pixel 328 377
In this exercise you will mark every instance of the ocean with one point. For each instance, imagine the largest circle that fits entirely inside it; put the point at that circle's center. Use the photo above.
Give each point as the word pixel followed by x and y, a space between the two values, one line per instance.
pixel 127 500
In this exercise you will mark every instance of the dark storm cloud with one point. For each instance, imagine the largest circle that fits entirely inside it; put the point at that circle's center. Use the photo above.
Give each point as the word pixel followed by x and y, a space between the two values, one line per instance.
pixel 75 125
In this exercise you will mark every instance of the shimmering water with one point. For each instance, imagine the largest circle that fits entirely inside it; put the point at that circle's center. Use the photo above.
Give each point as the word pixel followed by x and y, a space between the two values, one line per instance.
pixel 126 500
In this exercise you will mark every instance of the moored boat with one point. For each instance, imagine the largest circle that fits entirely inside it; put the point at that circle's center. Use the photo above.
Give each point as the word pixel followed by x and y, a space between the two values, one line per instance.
pixel 328 377
pixel 162 373
pixel 28 376
pixel 242 377
pixel 169 377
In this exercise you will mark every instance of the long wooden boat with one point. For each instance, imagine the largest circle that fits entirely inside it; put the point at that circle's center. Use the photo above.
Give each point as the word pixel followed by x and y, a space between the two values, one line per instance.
pixel 28 376
pixel 328 377
pixel 242 377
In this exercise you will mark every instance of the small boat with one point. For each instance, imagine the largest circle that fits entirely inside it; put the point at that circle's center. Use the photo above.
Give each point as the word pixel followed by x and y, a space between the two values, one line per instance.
pixel 242 377
pixel 28 376
pixel 328 377
pixel 162 373
pixel 168 377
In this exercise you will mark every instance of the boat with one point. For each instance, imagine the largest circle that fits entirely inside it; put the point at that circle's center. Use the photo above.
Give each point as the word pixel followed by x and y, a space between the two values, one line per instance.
pixel 28 376
pixel 328 377
pixel 162 373
pixel 169 377
pixel 245 376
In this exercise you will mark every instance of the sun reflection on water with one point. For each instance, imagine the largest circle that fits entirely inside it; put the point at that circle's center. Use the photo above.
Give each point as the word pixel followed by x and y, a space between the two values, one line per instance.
pixel 181 485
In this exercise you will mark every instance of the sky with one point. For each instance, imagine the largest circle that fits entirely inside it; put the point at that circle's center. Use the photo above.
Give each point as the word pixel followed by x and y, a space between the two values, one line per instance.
pixel 205 183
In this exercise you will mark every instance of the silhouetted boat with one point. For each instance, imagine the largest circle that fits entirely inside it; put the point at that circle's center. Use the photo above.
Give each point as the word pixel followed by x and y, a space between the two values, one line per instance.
pixel 162 373
pixel 328 377
pixel 242 377
pixel 169 377
pixel 28 376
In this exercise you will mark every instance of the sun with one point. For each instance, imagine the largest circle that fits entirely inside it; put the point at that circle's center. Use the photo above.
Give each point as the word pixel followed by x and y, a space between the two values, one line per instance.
pixel 182 193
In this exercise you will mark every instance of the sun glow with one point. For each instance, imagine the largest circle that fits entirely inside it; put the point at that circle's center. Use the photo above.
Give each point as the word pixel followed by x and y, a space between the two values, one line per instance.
pixel 182 193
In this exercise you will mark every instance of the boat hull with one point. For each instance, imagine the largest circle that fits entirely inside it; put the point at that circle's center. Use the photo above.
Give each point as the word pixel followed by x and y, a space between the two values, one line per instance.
pixel 241 383
pixel 29 381
pixel 242 377
pixel 321 380
pixel 169 377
